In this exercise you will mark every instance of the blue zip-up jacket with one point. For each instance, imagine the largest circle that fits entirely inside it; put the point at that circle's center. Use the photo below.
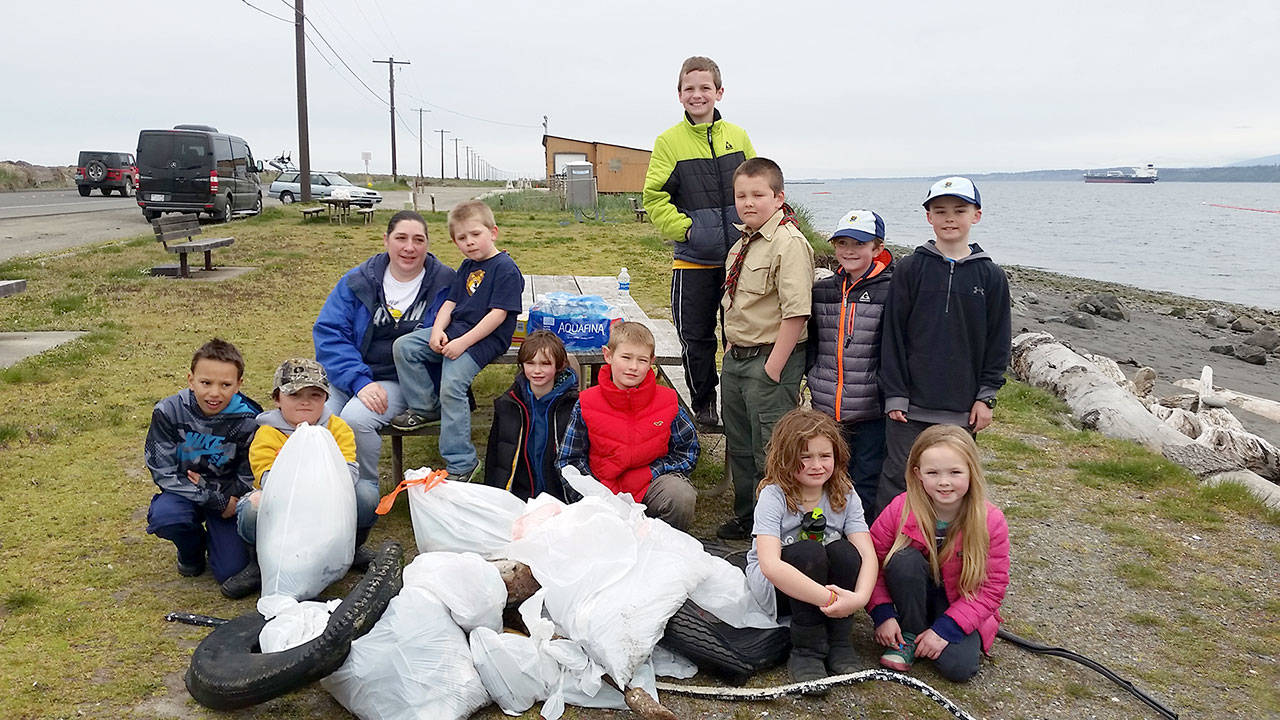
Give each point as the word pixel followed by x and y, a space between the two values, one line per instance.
pixel 181 438
pixel 344 330
pixel 524 440
pixel 946 337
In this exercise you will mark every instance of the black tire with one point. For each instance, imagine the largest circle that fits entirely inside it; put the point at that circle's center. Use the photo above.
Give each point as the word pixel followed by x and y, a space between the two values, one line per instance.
pixel 228 671
pixel 731 654
pixel 228 212
pixel 84 190
pixel 257 205
pixel 127 189
pixel 286 198
pixel 96 171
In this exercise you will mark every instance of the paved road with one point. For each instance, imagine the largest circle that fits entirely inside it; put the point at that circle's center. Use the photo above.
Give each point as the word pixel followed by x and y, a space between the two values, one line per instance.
pixel 59 202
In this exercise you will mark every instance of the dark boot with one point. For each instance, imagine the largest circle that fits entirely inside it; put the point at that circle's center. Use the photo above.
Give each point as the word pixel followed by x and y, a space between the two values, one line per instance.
pixel 841 657
pixel 363 555
pixel 244 583
pixel 808 653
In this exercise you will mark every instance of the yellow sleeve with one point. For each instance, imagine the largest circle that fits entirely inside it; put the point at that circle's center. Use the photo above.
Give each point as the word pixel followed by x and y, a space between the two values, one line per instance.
pixel 263 450
pixel 346 439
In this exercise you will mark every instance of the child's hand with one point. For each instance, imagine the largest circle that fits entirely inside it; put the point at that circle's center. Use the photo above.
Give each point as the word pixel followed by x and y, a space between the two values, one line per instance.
pixel 230 510
pixel 774 373
pixel 846 604
pixel 438 340
pixel 979 416
pixel 898 416
pixel 194 477
pixel 929 644
pixel 453 349
pixel 889 634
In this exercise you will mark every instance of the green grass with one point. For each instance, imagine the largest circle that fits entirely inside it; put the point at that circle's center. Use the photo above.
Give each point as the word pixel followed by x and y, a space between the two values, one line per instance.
pixel 83 589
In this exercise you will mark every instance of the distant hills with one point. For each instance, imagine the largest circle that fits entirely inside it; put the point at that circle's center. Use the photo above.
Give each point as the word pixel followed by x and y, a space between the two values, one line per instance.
pixel 1256 171
pixel 1268 160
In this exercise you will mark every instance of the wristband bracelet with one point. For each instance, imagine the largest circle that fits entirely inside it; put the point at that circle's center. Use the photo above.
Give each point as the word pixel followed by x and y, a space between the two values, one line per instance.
pixel 832 601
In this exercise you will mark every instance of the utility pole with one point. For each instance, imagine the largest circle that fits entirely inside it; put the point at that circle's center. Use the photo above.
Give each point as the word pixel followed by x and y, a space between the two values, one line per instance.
pixel 442 132
pixel 455 157
pixel 420 111
pixel 304 138
pixel 468 162
pixel 391 73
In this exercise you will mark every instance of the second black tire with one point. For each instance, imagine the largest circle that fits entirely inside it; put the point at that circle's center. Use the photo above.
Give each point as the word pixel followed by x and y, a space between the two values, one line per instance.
pixel 731 654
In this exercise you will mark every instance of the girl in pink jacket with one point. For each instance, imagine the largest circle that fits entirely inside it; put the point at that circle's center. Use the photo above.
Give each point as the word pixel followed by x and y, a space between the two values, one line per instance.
pixel 944 553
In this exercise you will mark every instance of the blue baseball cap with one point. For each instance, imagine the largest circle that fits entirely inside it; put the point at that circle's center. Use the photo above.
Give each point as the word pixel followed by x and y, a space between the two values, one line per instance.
pixel 960 187
pixel 861 225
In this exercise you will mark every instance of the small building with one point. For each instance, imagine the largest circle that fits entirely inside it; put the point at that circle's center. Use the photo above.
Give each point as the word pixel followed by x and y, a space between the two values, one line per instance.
pixel 619 169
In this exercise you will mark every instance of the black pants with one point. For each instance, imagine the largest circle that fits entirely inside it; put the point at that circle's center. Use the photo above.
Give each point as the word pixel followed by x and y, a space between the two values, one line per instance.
pixel 866 460
pixel 695 305
pixel 919 601
pixel 837 563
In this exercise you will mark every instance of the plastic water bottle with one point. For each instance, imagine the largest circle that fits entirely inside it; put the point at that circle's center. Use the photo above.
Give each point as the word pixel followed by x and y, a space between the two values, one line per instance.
pixel 624 281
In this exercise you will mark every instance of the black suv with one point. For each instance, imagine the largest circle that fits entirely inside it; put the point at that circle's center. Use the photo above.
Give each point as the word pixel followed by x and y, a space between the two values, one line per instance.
pixel 105 171
pixel 196 169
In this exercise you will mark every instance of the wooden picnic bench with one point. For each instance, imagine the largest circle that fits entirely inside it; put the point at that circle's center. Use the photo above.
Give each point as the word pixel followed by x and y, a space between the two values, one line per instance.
pixel 12 287
pixel 312 212
pixel 366 214
pixel 184 225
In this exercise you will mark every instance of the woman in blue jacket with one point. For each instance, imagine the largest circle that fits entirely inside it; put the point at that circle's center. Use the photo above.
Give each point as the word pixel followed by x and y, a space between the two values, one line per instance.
pixel 388 295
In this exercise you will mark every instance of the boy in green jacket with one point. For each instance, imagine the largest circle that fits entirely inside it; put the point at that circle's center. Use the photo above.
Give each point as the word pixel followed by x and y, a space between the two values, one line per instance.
pixel 688 192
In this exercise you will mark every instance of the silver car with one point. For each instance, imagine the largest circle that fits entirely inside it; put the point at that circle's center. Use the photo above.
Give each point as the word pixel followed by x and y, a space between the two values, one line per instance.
pixel 288 189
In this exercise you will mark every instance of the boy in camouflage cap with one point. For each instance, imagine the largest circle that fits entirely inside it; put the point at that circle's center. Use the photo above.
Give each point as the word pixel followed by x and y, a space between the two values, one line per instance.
pixel 301 389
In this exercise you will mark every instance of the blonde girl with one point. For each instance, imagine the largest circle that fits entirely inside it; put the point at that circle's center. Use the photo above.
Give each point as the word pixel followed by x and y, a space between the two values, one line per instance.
pixel 944 554
pixel 819 578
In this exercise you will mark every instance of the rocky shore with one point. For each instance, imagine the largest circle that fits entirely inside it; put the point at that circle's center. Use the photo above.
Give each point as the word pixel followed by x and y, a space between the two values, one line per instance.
pixel 1174 335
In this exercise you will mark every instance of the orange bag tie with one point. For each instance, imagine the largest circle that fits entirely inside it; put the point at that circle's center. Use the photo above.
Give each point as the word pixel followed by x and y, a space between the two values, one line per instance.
pixel 434 478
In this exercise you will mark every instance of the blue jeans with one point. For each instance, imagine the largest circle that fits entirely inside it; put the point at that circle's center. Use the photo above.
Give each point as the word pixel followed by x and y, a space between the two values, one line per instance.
pixel 412 353
pixel 365 424
pixel 195 530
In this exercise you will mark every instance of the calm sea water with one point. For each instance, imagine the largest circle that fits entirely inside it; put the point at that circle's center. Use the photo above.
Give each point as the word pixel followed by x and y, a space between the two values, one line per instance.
pixel 1166 236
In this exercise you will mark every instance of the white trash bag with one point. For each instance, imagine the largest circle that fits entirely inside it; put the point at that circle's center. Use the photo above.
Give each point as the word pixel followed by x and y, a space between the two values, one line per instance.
pixel 456 516
pixel 306 517
pixel 414 664
pixel 467 584
pixel 292 623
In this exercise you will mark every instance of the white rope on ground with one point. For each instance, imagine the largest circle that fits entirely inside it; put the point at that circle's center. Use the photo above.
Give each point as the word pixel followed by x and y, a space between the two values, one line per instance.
pixel 708 692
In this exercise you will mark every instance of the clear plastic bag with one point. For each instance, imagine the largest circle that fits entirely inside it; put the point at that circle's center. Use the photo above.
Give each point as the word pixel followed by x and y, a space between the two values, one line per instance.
pixel 456 517
pixel 415 664
pixel 307 517
pixel 582 322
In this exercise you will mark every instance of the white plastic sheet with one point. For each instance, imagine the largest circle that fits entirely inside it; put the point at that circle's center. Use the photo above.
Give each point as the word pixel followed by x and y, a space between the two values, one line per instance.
pixel 461 517
pixel 307 517
pixel 466 583
pixel 414 665
pixel 293 623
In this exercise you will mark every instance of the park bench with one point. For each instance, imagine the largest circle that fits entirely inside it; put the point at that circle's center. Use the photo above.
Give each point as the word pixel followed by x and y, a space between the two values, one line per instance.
pixel 366 214
pixel 642 215
pixel 173 227
pixel 398 436
pixel 311 212
pixel 12 287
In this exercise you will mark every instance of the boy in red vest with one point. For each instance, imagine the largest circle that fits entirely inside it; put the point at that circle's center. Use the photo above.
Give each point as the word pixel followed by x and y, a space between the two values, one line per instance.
pixel 631 434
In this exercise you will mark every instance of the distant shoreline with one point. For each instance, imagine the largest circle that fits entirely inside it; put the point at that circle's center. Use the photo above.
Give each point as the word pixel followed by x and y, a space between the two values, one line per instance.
pixel 1249 173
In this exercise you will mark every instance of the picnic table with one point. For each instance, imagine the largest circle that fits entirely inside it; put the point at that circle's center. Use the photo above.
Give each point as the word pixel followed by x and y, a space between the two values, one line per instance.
pixel 339 209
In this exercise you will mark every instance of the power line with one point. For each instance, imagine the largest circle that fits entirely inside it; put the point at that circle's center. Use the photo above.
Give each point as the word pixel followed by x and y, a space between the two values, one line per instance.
pixel 264 12
pixel 344 62
pixel 474 117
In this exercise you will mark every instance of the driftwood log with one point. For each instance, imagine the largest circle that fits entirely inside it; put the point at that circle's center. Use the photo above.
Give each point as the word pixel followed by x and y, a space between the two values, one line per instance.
pixel 1104 405
pixel 521 585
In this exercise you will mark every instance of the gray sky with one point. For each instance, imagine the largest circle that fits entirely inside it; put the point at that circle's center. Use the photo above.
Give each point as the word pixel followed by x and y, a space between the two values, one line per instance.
pixel 828 89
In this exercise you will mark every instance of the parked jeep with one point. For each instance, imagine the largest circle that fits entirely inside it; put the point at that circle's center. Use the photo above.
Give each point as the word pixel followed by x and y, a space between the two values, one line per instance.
pixel 106 171
pixel 196 169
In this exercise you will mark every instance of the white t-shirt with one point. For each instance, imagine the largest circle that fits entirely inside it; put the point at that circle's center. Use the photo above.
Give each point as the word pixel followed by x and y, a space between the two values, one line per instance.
pixel 400 295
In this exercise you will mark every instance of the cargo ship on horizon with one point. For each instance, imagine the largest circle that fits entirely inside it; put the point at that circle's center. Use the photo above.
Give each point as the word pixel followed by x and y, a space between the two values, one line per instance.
pixel 1141 175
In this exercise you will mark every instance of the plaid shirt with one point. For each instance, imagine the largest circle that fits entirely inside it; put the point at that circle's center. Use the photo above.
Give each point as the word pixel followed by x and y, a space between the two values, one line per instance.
pixel 682 450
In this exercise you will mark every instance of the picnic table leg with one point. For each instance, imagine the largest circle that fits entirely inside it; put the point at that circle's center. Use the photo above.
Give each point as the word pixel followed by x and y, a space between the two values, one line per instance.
pixel 208 259
pixel 397 459
pixel 182 265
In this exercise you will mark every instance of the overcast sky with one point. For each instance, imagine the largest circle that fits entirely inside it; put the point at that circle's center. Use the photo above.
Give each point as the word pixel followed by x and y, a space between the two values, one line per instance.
pixel 828 89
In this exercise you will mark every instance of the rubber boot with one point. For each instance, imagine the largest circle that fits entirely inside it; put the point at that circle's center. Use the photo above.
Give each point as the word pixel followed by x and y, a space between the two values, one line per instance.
pixel 244 583
pixel 841 657
pixel 808 652
pixel 363 555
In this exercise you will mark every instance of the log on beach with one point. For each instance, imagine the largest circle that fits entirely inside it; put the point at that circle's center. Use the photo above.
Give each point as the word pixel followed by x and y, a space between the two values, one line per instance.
pixel 1103 405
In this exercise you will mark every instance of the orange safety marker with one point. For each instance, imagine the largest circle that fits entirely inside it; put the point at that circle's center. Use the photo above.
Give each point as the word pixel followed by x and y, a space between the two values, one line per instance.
pixel 431 480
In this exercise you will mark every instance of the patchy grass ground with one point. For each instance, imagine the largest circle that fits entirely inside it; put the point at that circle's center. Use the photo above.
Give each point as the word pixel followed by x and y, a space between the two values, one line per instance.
pixel 1117 554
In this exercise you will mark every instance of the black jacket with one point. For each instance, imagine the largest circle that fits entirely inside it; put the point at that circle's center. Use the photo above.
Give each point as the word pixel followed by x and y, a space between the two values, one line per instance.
pixel 508 460
pixel 946 338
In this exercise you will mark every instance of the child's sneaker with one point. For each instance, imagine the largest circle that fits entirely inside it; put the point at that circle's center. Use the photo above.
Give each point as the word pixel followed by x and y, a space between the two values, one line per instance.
pixel 901 657
pixel 409 421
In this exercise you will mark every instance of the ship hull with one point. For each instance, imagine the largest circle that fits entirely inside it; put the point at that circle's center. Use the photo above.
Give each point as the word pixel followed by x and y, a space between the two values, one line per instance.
pixel 1121 180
